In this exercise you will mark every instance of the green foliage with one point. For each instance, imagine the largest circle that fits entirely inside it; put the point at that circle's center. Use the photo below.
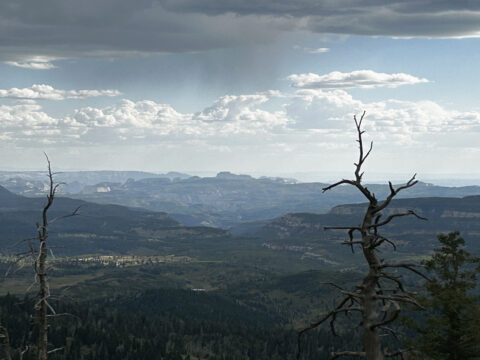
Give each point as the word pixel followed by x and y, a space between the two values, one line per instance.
pixel 452 327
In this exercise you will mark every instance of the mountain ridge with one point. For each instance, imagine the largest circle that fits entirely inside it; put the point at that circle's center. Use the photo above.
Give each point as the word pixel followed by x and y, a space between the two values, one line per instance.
pixel 97 228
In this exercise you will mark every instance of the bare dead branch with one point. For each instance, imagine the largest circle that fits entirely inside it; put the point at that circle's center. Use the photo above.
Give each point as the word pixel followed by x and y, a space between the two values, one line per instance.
pixel 23 352
pixel 400 298
pixel 341 182
pixel 62 314
pixel 394 192
pixel 333 284
pixel 55 350
pixel 74 213
pixel 411 267
pixel 395 279
pixel 342 228
pixel 393 316
pixel 382 239
pixel 393 216
pixel 331 314
pixel 337 355
pixel 325 317
pixel 358 242
pixel 398 353
pixel 21 241
pixel 390 331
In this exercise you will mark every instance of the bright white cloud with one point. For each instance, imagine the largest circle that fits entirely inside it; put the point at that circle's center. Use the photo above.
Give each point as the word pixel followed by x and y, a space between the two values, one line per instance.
pixel 397 123
pixel 309 50
pixel 354 79
pixel 47 92
pixel 308 111
pixel 291 129
pixel 147 121
pixel 143 121
pixel 240 114
pixel 25 116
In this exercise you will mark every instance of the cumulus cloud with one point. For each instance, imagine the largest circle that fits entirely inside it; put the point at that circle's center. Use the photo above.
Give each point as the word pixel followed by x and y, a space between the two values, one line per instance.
pixel 47 92
pixel 147 121
pixel 425 124
pixel 27 125
pixel 318 117
pixel 354 79
pixel 240 114
pixel 91 28
pixel 291 129
pixel 143 122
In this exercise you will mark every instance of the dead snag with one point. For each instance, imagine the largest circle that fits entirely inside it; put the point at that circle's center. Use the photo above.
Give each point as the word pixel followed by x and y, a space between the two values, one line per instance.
pixel 377 304
pixel 44 309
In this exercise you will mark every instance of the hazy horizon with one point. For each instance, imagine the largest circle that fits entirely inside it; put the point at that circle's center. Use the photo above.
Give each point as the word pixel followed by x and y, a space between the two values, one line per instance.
pixel 312 176
pixel 268 87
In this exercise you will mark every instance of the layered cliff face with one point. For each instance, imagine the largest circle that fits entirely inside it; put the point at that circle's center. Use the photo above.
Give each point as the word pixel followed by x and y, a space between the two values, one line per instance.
pixel 460 214
pixel 468 207
pixel 304 233
pixel 224 200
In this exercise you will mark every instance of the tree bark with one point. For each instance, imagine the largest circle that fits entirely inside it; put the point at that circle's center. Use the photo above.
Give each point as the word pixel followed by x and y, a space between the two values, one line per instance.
pixel 369 288
pixel 371 339
pixel 42 306
pixel 41 271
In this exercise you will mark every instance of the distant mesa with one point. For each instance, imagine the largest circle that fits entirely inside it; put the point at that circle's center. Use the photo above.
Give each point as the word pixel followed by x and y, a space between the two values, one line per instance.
pixel 229 176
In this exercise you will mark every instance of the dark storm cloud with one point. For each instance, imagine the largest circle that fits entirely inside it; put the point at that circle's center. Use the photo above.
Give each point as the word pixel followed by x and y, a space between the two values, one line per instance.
pixel 300 8
pixel 67 28
pixel 429 18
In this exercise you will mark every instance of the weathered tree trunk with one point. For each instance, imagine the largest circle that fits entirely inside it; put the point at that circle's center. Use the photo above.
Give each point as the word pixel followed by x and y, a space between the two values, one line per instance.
pixel 377 305
pixel 371 339
pixel 370 316
pixel 41 271
pixel 42 305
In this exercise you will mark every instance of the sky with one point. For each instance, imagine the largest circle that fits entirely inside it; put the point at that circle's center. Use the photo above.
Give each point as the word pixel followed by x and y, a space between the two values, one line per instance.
pixel 248 86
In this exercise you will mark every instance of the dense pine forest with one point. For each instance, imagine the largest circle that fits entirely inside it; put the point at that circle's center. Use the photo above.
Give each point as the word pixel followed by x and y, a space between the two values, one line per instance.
pixel 160 324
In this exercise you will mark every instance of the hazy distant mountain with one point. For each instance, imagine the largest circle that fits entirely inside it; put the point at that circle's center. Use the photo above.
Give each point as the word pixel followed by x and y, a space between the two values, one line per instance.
pixel 227 199
pixel 35 182
pixel 97 228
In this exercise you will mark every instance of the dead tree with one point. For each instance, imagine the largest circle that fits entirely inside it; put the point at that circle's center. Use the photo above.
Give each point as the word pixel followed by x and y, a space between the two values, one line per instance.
pixel 44 309
pixel 40 266
pixel 379 297
pixel 37 255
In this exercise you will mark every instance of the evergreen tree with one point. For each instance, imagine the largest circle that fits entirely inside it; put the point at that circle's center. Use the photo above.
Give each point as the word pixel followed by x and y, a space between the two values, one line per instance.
pixel 452 327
